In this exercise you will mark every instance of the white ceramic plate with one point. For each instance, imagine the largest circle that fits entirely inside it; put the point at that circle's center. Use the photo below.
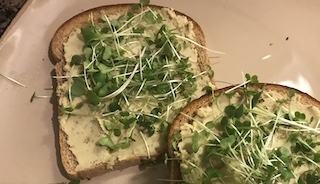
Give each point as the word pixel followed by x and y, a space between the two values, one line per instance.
pixel 277 40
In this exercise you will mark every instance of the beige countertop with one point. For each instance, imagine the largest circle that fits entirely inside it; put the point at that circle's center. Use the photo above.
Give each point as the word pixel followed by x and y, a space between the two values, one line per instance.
pixel 8 10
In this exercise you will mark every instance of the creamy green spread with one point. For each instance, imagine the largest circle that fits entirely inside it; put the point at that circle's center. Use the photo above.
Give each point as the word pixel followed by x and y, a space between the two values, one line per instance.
pixel 274 141
pixel 86 126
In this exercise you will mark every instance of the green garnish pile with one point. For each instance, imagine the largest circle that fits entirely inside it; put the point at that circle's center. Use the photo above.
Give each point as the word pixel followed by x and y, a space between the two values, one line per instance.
pixel 132 75
pixel 243 146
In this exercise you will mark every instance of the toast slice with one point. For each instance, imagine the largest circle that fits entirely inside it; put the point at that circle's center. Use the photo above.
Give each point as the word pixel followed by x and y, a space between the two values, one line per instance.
pixel 66 35
pixel 284 121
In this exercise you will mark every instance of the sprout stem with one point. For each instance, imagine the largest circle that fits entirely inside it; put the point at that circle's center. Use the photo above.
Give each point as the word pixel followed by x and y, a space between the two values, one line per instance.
pixel 13 80
pixel 146 144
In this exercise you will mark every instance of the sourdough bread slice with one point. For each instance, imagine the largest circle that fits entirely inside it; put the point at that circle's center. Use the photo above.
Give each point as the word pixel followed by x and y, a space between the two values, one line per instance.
pixel 57 48
pixel 281 102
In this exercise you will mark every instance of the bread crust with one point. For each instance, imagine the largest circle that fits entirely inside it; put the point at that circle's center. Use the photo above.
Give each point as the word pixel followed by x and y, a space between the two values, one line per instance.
pixel 68 160
pixel 207 100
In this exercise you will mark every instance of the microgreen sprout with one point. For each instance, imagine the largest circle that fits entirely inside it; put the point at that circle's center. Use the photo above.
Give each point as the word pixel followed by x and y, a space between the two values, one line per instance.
pixel 102 125
pixel 34 96
pixel 48 88
pixel 13 80
pixel 124 85
pixel 146 144
pixel 199 45
pixel 237 86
